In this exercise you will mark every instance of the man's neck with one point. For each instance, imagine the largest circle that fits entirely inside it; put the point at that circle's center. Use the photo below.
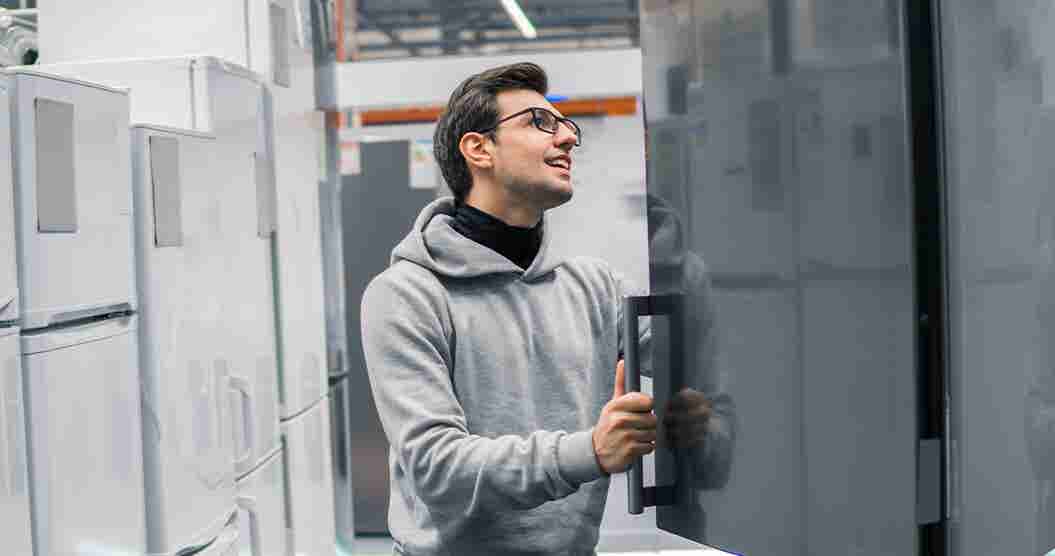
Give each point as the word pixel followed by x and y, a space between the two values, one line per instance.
pixel 521 217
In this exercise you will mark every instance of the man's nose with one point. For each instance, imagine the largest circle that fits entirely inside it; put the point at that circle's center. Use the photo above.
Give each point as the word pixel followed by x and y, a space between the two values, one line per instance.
pixel 565 138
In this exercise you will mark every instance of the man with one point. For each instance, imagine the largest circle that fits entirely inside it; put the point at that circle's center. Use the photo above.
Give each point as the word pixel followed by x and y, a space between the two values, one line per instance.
pixel 494 364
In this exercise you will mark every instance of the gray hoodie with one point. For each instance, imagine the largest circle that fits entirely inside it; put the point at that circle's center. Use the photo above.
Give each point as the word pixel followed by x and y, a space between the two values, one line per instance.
pixel 488 379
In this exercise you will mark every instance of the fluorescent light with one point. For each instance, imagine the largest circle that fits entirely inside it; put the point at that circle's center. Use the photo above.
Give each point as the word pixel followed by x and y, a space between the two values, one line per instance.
pixel 519 19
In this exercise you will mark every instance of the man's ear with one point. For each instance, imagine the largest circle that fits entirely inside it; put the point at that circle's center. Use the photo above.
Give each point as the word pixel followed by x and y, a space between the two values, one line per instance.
pixel 475 148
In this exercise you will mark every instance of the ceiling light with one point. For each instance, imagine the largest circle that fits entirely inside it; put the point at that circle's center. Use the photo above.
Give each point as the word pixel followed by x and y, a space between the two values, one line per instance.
pixel 519 19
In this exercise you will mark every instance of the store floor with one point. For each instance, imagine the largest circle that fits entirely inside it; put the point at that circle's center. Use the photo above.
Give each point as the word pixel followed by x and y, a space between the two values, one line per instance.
pixel 381 546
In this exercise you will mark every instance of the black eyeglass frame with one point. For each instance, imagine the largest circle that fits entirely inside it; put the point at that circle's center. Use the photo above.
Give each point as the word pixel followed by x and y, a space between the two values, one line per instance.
pixel 535 119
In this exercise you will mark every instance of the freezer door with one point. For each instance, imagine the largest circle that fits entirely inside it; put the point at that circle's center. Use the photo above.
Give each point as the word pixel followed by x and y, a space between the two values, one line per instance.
pixel 309 482
pixel 9 298
pixel 261 510
pixel 73 184
pixel 14 486
pixel 85 442
pixel 783 313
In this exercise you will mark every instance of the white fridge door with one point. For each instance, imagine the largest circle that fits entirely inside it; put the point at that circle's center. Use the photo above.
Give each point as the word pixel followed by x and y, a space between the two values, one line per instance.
pixel 14 487
pixel 298 132
pixel 74 198
pixel 8 274
pixel 309 482
pixel 85 442
pixel 261 510
pixel 187 439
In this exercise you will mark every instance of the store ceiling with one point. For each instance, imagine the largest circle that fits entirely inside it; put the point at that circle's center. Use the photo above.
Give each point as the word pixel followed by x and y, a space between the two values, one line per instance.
pixel 402 28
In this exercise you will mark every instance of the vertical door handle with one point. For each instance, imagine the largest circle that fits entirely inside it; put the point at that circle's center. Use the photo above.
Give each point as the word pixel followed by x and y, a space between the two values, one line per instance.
pixel 634 307
pixel 248 503
pixel 244 389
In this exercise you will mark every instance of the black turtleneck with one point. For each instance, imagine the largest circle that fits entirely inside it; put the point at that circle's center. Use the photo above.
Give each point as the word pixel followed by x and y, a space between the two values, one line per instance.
pixel 519 245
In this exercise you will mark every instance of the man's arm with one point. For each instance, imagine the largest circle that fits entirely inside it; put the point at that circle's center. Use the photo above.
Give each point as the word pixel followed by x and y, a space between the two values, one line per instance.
pixel 454 472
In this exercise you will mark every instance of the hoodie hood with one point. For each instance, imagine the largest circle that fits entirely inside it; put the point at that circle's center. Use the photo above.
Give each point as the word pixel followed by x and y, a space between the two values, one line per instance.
pixel 435 245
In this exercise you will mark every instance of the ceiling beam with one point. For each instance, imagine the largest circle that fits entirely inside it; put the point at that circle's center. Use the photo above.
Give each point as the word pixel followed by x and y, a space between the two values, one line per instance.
pixel 497 40
pixel 365 23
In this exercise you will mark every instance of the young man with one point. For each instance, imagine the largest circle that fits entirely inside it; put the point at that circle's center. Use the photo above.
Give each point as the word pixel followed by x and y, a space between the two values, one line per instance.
pixel 494 364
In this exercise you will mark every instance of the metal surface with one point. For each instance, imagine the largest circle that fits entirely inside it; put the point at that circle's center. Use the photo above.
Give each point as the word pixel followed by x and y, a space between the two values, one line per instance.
pixel 780 207
pixel 14 485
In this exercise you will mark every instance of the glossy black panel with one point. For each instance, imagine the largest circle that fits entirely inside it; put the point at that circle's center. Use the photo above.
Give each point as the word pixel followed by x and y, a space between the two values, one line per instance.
pixel 780 214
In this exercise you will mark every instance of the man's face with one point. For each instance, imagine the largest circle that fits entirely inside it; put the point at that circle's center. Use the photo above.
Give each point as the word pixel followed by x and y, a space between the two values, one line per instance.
pixel 532 165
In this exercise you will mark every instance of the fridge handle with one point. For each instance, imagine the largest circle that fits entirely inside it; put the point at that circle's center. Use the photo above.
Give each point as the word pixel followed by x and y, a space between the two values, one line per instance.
pixel 248 503
pixel 241 385
pixel 634 307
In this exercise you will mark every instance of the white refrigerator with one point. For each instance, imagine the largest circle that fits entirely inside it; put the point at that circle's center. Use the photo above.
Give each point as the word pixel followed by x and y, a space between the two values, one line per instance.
pixel 227 101
pixel 298 141
pixel 73 219
pixel 189 214
pixel 245 32
pixel 14 486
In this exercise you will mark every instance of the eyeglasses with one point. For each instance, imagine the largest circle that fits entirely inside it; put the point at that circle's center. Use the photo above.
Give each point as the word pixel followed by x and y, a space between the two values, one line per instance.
pixel 544 120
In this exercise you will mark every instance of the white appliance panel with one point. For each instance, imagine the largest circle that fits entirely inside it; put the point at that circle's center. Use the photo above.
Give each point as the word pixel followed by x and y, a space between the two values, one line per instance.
pixel 14 486
pixel 80 195
pixel 298 137
pixel 187 438
pixel 261 510
pixel 309 480
pixel 243 32
pixel 9 302
pixel 85 443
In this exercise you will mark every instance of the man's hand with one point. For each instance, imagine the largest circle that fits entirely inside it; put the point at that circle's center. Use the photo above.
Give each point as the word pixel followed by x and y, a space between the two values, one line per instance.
pixel 688 419
pixel 626 428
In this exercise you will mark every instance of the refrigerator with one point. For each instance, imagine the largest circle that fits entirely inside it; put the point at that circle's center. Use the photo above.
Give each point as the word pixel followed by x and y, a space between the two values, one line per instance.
pixel 14 485
pixel 298 135
pixel 261 510
pixel 781 272
pixel 193 377
pixel 244 32
pixel 227 101
pixel 79 352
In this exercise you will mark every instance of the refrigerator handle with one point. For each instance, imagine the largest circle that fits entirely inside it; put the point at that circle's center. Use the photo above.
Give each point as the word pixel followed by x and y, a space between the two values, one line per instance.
pixel 634 307
pixel 248 503
pixel 242 386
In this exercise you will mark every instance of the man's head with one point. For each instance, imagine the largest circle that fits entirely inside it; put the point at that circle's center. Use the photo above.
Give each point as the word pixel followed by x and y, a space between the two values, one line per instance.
pixel 490 142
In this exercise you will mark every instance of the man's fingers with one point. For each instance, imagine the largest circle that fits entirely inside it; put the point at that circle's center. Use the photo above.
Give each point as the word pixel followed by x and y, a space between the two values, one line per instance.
pixel 634 401
pixel 620 380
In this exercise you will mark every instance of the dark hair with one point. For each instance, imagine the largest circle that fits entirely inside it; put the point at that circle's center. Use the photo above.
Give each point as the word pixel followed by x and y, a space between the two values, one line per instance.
pixel 473 106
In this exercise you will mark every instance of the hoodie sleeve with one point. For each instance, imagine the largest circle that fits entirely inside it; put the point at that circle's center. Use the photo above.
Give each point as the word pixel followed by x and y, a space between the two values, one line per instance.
pixel 406 342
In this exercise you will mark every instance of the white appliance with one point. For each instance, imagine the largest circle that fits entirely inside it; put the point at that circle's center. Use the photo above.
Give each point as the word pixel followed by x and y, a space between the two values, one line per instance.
pixel 229 102
pixel 9 305
pixel 14 486
pixel 261 510
pixel 73 212
pixel 309 480
pixel 186 227
pixel 243 32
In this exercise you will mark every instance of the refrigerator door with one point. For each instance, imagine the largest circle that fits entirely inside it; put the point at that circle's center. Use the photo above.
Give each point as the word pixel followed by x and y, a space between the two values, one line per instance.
pixel 9 298
pixel 783 350
pixel 74 195
pixel 85 442
pixel 261 510
pixel 184 371
pixel 14 486
pixel 309 482
pixel 298 136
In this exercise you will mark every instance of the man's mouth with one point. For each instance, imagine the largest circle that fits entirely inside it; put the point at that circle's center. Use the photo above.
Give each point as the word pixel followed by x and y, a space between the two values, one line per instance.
pixel 560 162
